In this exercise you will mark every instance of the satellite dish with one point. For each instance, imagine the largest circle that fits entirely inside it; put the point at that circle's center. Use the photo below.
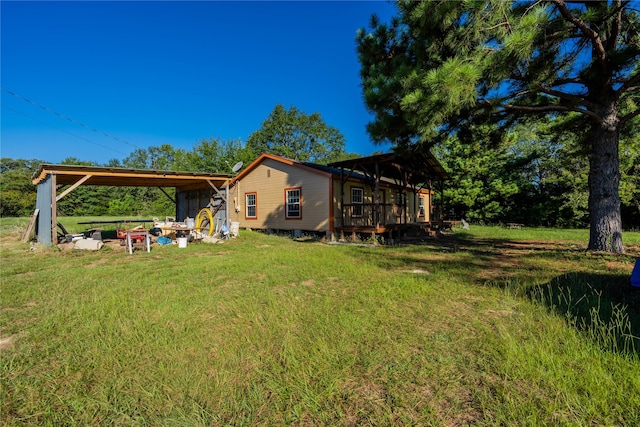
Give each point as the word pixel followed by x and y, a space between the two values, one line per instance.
pixel 236 167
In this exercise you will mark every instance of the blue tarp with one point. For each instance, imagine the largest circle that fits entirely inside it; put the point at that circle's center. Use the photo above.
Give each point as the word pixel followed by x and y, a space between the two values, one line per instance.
pixel 635 275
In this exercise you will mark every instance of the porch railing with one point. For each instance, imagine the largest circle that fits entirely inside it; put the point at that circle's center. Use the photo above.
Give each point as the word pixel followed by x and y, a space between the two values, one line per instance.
pixel 372 215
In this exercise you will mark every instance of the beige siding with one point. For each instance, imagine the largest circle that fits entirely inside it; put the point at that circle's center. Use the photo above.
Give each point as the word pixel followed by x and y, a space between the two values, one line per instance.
pixel 268 181
pixel 337 214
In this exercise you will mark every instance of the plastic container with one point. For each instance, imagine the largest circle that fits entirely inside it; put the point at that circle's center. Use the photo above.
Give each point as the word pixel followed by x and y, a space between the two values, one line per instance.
pixel 182 242
pixel 234 229
pixel 191 222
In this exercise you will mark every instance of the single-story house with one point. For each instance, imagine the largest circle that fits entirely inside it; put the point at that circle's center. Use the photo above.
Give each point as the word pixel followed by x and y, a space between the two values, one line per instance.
pixel 378 194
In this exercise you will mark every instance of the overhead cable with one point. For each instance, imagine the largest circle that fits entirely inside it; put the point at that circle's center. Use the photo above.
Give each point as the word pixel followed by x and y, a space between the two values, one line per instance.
pixel 67 118
pixel 62 130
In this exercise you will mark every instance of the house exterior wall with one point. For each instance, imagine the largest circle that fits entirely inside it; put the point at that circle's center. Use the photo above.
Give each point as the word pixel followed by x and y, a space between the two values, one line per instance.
pixel 268 181
pixel 426 214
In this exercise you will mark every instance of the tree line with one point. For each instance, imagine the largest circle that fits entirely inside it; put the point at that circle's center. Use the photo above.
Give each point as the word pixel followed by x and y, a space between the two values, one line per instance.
pixel 286 132
pixel 526 175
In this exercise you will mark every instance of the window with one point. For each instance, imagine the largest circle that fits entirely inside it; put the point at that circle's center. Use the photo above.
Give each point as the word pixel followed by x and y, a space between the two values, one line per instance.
pixel 421 206
pixel 251 205
pixel 357 199
pixel 292 202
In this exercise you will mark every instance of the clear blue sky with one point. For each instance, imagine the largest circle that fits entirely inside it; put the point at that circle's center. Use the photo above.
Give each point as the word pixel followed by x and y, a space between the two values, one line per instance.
pixel 149 73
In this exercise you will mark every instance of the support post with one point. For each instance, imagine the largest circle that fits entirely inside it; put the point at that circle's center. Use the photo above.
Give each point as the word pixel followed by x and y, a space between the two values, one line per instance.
pixel 54 209
pixel 342 197
pixel 376 218
pixel 226 208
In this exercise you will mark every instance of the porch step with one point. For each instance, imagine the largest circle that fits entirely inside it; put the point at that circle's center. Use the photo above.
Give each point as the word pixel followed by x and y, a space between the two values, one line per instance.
pixel 418 232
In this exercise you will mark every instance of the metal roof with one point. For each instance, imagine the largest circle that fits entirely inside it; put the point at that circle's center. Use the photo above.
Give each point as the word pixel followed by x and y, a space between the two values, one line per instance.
pixel 122 177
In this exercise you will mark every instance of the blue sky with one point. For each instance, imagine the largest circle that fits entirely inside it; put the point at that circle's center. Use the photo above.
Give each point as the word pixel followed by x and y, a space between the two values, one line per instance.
pixel 149 73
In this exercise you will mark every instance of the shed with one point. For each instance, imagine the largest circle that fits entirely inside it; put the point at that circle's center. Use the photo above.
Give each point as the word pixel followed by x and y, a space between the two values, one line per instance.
pixel 193 190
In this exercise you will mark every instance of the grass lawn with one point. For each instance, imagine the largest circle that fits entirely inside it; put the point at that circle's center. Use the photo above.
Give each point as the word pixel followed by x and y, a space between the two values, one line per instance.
pixel 485 327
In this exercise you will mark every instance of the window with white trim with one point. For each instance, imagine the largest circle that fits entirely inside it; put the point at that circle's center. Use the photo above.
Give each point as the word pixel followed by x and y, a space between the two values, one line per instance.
pixel 251 205
pixel 357 199
pixel 421 206
pixel 292 202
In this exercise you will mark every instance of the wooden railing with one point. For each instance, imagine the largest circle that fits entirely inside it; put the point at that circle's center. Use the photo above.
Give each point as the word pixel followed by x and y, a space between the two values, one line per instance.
pixel 372 215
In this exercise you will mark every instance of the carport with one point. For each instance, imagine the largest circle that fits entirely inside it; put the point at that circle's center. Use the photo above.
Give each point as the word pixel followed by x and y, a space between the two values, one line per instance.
pixel 193 190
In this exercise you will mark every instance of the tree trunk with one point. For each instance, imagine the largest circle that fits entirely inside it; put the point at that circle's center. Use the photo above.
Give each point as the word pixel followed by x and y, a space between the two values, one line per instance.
pixel 604 179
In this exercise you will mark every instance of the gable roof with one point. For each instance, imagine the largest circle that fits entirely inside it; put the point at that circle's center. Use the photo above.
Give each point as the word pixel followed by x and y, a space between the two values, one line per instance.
pixel 414 170
pixel 312 167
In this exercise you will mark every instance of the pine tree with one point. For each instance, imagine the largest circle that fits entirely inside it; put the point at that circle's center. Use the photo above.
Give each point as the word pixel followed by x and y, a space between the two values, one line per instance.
pixel 452 63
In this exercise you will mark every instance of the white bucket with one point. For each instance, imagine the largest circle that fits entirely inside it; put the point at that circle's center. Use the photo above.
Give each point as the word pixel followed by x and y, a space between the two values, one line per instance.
pixel 182 242
pixel 235 229
pixel 191 222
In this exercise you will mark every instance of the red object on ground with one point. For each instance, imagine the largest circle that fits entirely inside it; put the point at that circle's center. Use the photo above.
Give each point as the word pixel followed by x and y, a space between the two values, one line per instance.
pixel 122 234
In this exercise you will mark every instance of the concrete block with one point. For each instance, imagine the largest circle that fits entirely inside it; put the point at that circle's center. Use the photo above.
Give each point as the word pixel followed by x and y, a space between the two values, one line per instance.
pixel 89 244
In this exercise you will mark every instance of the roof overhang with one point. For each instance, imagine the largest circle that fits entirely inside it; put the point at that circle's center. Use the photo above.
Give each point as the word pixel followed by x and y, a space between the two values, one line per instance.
pixel 121 177
pixel 419 168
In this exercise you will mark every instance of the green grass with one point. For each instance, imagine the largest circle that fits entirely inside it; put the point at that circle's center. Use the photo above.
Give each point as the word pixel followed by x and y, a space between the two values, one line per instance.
pixel 580 236
pixel 477 328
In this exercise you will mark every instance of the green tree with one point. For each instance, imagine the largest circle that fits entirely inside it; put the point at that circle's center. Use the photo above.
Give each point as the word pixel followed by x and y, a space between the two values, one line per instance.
pixel 630 178
pixel 452 63
pixel 298 136
pixel 487 175
pixel 162 157
pixel 216 155
pixel 85 199
pixel 17 192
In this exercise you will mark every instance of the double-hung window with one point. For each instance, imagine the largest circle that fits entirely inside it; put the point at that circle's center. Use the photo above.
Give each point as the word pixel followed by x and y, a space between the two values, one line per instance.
pixel 293 197
pixel 357 199
pixel 251 205
pixel 421 206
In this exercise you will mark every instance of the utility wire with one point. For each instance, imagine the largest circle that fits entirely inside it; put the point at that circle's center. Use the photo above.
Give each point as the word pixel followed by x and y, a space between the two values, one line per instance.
pixel 67 118
pixel 62 130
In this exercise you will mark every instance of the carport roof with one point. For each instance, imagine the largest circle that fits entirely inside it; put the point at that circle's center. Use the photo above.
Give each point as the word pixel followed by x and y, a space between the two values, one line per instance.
pixel 122 177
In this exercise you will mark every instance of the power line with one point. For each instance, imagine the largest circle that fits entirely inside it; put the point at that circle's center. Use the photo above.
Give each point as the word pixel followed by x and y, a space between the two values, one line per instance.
pixel 62 130
pixel 68 118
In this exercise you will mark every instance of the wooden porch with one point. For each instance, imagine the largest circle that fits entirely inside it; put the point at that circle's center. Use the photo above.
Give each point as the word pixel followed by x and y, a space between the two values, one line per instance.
pixel 407 173
pixel 390 220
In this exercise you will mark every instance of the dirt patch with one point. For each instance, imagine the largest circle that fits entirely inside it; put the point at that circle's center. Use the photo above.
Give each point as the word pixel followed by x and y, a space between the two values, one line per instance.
pixel 96 263
pixel 416 271
pixel 7 342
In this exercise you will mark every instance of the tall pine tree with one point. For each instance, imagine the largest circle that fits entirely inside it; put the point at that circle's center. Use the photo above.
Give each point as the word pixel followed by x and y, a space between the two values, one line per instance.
pixel 441 65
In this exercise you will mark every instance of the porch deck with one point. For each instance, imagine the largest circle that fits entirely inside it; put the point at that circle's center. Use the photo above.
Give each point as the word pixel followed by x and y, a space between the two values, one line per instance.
pixel 377 219
pixel 390 219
